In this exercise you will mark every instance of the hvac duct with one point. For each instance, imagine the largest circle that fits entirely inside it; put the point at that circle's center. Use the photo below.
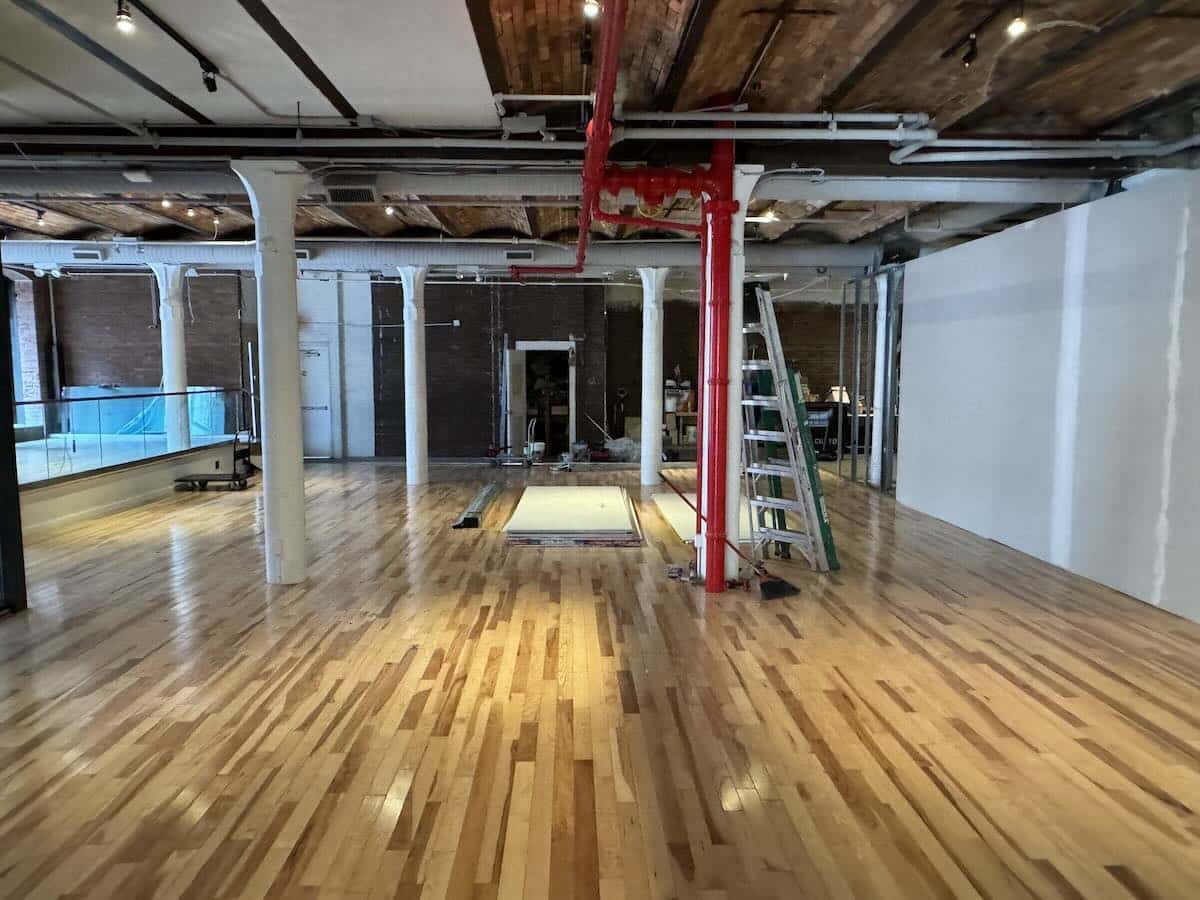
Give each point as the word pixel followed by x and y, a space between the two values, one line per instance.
pixel 370 256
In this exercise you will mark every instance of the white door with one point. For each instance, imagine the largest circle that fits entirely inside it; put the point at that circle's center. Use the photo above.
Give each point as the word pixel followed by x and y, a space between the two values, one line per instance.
pixel 316 415
pixel 514 398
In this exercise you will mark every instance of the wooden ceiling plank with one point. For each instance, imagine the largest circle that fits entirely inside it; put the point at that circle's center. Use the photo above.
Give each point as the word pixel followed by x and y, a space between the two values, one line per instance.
pixel 889 41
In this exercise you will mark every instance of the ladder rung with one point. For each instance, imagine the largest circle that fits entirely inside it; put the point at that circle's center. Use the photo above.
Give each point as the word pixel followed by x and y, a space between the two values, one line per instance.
pixel 777 503
pixel 788 537
pixel 774 437
pixel 761 400
pixel 770 469
pixel 756 365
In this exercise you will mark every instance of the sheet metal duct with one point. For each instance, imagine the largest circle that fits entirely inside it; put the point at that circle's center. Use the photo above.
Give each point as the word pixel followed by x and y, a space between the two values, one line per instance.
pixel 375 256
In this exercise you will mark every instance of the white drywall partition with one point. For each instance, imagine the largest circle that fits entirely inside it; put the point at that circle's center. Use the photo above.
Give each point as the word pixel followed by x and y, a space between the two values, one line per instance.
pixel 1050 390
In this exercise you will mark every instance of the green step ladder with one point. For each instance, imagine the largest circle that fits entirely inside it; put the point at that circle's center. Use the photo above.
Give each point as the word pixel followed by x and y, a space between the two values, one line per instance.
pixel 777 450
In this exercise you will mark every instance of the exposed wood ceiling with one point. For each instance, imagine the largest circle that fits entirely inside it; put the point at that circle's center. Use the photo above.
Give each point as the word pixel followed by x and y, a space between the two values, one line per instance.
pixel 1083 67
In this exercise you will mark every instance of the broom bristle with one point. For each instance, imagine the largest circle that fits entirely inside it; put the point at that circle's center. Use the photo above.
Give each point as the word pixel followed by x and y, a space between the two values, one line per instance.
pixel 773 588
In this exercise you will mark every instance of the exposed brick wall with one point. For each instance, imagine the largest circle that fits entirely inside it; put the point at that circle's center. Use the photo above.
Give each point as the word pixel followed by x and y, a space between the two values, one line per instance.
pixel 108 335
pixel 463 364
pixel 809 332
pixel 624 367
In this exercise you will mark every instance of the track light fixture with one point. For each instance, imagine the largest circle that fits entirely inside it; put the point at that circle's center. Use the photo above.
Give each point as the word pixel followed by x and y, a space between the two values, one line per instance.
pixel 209 77
pixel 41 219
pixel 972 52
pixel 591 8
pixel 125 23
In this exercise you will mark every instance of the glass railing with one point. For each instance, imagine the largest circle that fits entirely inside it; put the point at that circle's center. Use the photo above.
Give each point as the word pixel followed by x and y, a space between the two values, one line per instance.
pixel 60 438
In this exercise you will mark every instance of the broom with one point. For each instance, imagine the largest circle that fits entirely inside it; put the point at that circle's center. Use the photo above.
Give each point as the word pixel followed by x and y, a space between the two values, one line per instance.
pixel 770 587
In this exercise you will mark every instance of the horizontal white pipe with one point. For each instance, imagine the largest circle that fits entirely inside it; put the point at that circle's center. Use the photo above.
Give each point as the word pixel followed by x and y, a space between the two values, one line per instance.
pixel 354 255
pixel 785 186
pixel 774 134
pixel 545 98
pixel 283 146
pixel 735 117
pixel 1001 150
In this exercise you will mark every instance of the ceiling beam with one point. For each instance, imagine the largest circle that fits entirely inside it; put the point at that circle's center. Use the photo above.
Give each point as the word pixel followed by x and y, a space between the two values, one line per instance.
pixel 896 189
pixel 1056 61
pixel 350 219
pixel 693 33
pixel 480 12
pixel 888 42
pixel 274 29
pixel 110 59
pixel 1183 96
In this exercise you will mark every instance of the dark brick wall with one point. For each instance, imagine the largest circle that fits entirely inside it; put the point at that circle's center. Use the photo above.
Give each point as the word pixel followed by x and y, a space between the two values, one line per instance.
pixel 624 367
pixel 108 335
pixel 463 363
pixel 809 332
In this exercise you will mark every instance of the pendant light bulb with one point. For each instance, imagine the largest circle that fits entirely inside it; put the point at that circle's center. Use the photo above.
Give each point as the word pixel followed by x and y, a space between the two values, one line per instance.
pixel 125 23
pixel 191 212
pixel 591 8
pixel 390 210
pixel 166 203
pixel 1017 27
pixel 41 219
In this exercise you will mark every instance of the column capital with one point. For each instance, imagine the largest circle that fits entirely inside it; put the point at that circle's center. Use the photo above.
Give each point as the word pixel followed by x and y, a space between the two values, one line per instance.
pixel 654 281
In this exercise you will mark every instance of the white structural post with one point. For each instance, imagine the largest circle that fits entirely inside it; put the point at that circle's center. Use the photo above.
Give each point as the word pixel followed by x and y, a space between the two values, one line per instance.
pixel 744 180
pixel 416 400
pixel 171 312
pixel 878 399
pixel 274 186
pixel 653 282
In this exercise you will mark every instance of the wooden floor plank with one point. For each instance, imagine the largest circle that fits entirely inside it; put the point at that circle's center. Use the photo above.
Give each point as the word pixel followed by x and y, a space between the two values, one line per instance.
pixel 435 713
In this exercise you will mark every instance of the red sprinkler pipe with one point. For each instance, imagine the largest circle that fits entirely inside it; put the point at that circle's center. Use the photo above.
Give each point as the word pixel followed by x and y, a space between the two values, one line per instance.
pixel 700 392
pixel 599 138
pixel 719 207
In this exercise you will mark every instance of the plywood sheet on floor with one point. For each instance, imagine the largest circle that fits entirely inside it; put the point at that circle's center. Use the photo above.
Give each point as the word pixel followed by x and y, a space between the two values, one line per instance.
pixel 594 509
pixel 682 517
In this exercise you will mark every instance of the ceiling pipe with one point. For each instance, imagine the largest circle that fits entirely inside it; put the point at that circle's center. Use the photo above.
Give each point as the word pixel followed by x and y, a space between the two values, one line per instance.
pixel 359 255
pixel 1001 150
pixel 823 118
pixel 900 134
pixel 788 186
pixel 233 143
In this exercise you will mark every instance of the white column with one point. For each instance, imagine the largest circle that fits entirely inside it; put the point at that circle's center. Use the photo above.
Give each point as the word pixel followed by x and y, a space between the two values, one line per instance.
pixel 878 400
pixel 653 282
pixel 416 400
pixel 274 186
pixel 171 313
pixel 744 180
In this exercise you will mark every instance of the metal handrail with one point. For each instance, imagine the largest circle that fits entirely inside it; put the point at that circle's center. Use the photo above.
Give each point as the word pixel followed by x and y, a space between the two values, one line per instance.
pixel 133 396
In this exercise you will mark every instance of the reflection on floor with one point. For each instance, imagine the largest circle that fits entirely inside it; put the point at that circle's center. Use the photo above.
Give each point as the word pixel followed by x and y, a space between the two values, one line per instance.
pixel 70 454
pixel 435 713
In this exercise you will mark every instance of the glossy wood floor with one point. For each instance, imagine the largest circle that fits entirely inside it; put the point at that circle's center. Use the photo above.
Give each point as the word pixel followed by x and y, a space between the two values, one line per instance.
pixel 435 714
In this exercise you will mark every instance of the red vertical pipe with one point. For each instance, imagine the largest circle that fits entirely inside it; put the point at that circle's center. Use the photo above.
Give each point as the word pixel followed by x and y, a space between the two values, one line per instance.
pixel 700 374
pixel 719 209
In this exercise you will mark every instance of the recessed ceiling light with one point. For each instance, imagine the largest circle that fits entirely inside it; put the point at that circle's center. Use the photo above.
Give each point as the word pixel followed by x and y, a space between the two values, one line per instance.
pixel 125 23
pixel 591 8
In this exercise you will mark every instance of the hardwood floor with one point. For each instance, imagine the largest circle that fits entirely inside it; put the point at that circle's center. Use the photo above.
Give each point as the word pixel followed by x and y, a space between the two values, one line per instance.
pixel 436 714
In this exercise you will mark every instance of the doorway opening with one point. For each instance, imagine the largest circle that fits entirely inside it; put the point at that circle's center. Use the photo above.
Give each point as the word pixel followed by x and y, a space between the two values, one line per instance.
pixel 540 396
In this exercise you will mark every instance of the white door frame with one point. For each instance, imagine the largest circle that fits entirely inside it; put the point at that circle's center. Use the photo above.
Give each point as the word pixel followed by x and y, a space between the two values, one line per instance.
pixel 569 347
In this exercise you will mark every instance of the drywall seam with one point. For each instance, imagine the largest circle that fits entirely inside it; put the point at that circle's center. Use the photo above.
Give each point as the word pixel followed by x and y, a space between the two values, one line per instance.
pixel 1066 407
pixel 1162 529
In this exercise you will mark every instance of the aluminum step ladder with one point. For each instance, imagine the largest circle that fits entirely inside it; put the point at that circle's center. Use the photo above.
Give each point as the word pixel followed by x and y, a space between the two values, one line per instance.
pixel 778 452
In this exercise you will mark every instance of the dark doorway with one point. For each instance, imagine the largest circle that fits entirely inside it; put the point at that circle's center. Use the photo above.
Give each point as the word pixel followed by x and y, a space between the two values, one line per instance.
pixel 548 398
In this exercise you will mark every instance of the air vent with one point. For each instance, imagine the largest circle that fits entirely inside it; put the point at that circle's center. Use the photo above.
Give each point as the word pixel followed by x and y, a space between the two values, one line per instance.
pixel 343 195
pixel 303 254
pixel 518 255
pixel 352 189
pixel 81 255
